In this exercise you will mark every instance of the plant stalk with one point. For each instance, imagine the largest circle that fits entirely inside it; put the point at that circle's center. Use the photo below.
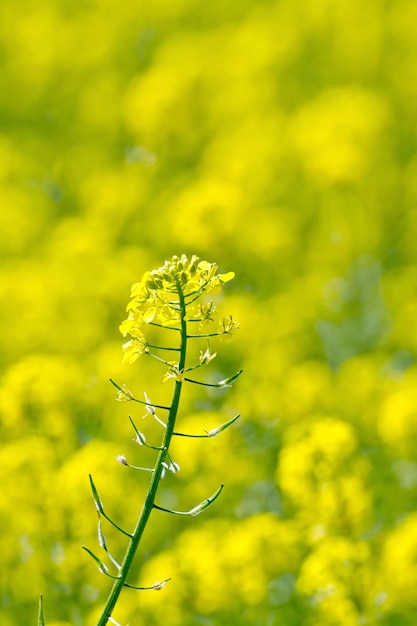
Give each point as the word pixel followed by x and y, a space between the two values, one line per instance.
pixel 156 477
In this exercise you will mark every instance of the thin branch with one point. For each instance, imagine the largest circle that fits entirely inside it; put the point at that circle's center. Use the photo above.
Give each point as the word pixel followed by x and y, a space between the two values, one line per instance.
pixel 133 399
pixel 100 508
pixel 197 509
pixel 204 335
pixel 162 326
pixel 227 382
pixel 211 433
pixel 163 348
pixel 157 586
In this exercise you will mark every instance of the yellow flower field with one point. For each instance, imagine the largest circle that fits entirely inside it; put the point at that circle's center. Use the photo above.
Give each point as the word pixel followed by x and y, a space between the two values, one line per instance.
pixel 278 140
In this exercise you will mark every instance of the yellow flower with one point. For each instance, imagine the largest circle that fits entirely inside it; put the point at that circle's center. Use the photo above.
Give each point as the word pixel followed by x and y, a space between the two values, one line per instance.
pixel 201 312
pixel 156 300
pixel 174 373
pixel 132 325
pixel 133 349
pixel 207 356
pixel 162 314
pixel 124 394
pixel 227 327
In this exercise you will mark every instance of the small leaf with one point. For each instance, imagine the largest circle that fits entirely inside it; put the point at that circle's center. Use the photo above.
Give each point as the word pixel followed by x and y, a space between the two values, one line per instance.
pixel 100 508
pixel 206 503
pixel 222 427
pixel 101 566
pixel 103 544
pixel 101 537
pixel 96 497
pixel 210 433
pixel 197 509
pixel 228 381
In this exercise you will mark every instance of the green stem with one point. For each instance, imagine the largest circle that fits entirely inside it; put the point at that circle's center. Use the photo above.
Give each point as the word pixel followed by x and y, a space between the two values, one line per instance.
pixel 205 335
pixel 154 483
pixel 163 348
pixel 162 326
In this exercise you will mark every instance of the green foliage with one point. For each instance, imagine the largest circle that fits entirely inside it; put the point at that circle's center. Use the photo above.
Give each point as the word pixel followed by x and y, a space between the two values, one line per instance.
pixel 279 139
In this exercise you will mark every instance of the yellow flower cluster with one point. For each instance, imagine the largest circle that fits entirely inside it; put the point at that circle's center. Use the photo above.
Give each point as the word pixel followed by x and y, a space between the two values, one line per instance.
pixel 156 300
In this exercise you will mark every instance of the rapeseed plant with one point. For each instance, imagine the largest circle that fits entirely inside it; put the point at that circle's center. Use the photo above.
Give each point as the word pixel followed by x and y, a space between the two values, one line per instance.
pixel 173 298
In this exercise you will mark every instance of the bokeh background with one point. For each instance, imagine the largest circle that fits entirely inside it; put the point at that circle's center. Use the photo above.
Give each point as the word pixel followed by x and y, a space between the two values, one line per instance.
pixel 278 139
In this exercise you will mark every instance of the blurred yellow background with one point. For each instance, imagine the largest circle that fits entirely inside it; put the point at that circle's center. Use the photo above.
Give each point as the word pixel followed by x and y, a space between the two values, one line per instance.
pixel 277 139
